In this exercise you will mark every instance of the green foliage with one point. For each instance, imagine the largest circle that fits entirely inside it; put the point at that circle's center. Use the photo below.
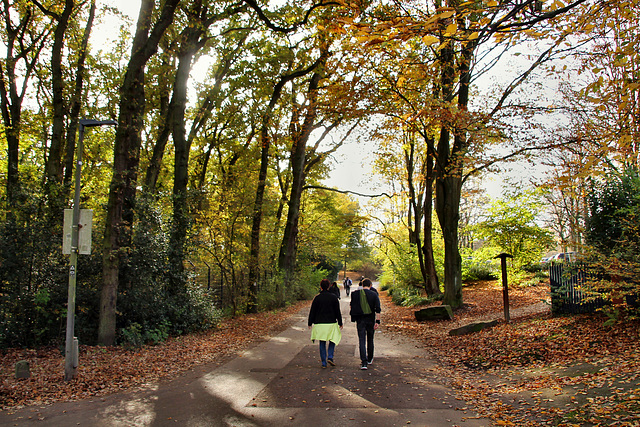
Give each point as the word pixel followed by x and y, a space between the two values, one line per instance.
pixel 271 294
pixel 148 301
pixel 387 280
pixel 33 276
pixel 399 258
pixel 331 232
pixel 478 271
pixel 308 280
pixel 401 276
pixel 330 266
pixel 196 310
pixel 613 226
pixel 534 267
pixel 161 314
pixel 613 236
pixel 410 297
pixel 131 337
pixel 399 294
pixel 135 336
pixel 529 282
pixel 143 298
pixel 88 296
pixel 511 227
pixel 404 266
pixel 304 286
pixel 386 286
pixel 479 264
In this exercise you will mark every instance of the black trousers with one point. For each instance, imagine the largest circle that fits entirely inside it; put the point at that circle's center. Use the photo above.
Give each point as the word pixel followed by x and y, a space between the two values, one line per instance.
pixel 365 338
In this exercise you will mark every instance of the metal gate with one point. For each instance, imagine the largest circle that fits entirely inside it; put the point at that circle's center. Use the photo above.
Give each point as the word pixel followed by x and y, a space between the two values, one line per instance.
pixel 571 291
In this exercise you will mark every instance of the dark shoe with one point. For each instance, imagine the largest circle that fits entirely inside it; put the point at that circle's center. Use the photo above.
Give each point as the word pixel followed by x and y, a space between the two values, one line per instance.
pixel 370 361
pixel 324 366
pixel 363 366
pixel 331 362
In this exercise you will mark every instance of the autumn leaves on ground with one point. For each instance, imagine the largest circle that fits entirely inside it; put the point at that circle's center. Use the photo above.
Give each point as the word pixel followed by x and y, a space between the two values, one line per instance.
pixel 539 369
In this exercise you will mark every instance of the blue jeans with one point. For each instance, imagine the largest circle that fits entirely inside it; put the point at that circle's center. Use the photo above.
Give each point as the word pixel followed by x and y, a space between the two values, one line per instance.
pixel 323 351
pixel 365 339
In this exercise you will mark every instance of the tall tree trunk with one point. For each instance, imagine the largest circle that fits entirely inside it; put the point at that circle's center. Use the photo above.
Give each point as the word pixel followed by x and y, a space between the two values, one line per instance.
pixel 76 99
pixel 254 251
pixel 448 190
pixel 450 170
pixel 448 187
pixel 22 50
pixel 182 147
pixel 265 140
pixel 432 283
pixel 193 41
pixel 415 205
pixel 287 257
pixel 166 105
pixel 119 218
pixel 53 166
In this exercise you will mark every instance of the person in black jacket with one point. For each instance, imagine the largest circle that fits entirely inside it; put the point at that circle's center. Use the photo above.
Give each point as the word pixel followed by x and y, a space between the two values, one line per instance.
pixel 325 320
pixel 335 289
pixel 347 285
pixel 365 311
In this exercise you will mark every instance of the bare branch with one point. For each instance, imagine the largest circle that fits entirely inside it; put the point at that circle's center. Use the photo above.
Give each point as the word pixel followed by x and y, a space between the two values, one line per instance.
pixel 264 18
pixel 320 187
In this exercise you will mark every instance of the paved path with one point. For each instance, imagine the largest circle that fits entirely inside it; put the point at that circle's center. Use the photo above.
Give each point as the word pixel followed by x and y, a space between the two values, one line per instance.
pixel 278 383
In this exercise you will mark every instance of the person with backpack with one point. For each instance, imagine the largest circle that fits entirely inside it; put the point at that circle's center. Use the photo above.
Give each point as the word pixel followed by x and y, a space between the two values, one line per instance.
pixel 325 321
pixel 347 285
pixel 365 312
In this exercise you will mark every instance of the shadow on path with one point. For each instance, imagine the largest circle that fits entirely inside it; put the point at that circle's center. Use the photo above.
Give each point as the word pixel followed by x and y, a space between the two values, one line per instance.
pixel 280 382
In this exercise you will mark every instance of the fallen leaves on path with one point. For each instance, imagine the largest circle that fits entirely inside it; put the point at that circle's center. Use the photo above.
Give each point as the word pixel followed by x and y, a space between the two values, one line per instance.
pixel 106 370
pixel 538 369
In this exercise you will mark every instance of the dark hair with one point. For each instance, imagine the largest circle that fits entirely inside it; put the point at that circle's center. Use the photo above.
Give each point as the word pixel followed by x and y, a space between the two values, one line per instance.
pixel 366 283
pixel 324 284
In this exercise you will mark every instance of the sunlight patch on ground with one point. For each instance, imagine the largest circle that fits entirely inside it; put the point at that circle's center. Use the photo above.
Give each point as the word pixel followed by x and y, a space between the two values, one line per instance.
pixel 234 388
pixel 138 412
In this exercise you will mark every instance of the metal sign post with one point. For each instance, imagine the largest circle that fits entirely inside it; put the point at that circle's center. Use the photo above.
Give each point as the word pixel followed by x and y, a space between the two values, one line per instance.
pixel 71 344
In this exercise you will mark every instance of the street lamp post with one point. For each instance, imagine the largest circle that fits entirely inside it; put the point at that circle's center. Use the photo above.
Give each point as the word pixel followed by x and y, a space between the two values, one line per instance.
pixel 71 345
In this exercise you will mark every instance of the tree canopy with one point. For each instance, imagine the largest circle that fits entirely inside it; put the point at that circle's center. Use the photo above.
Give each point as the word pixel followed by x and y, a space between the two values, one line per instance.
pixel 209 196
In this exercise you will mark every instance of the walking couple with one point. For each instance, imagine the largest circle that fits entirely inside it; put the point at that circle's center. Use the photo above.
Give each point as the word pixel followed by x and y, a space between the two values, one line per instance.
pixel 325 320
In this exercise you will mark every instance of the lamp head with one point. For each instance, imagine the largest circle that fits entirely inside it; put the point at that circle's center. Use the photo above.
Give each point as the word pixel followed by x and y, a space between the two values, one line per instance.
pixel 92 123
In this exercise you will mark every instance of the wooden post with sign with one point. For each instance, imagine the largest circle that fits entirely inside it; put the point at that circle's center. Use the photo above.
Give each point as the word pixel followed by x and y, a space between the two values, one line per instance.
pixel 505 285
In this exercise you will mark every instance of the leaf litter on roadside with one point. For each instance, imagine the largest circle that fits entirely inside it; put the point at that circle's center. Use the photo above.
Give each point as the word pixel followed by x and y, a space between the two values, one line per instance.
pixel 538 369
pixel 106 370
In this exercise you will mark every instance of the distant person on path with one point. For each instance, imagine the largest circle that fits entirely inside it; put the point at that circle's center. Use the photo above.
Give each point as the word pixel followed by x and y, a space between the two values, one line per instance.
pixel 347 285
pixel 335 289
pixel 365 311
pixel 372 288
pixel 325 321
